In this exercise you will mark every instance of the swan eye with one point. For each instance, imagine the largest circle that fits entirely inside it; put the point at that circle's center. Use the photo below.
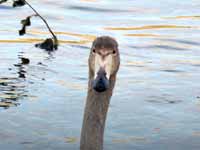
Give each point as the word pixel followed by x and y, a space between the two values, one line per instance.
pixel 114 52
pixel 94 51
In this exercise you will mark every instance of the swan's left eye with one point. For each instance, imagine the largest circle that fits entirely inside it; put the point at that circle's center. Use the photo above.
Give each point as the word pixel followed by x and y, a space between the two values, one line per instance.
pixel 114 51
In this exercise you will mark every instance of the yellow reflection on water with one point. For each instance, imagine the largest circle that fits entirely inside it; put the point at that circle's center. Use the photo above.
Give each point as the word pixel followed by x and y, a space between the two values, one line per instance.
pixel 148 27
pixel 189 62
pixel 71 85
pixel 183 17
pixel 21 41
pixel 84 36
pixel 6 96
pixel 143 35
pixel 32 40
pixel 130 140
pixel 135 63
pixel 6 104
pixel 70 139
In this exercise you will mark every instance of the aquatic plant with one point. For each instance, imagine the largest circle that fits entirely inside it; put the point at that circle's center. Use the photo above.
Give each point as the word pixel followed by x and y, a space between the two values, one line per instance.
pixel 48 44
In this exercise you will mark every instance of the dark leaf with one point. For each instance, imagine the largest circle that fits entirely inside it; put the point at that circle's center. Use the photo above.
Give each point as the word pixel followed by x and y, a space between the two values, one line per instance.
pixel 26 22
pixel 18 3
pixel 48 45
pixel 22 31
pixel 3 1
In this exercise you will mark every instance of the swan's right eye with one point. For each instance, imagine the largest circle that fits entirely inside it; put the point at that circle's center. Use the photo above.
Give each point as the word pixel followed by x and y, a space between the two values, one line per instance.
pixel 114 52
pixel 94 51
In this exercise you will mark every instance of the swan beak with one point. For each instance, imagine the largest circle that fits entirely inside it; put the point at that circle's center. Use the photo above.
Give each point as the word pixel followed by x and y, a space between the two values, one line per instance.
pixel 101 82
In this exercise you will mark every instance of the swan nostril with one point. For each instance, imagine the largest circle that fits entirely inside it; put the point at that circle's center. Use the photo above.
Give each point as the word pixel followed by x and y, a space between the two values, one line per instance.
pixel 101 72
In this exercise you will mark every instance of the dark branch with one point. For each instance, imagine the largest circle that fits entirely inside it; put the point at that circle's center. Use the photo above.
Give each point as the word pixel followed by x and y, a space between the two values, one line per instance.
pixel 50 43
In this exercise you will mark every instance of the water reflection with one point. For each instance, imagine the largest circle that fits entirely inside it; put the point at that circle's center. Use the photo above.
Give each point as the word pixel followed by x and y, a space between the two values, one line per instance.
pixel 183 17
pixel 161 46
pixel 95 9
pixel 143 35
pixel 5 7
pixel 181 41
pixel 11 90
pixel 150 27
pixel 14 88
pixel 163 99
pixel 31 40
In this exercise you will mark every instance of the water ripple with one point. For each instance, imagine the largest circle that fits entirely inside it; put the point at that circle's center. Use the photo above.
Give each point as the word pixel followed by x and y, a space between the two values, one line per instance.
pixel 150 27
pixel 95 9
pixel 11 90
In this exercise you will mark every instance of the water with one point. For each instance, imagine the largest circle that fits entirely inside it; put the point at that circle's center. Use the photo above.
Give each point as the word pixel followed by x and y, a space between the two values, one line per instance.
pixel 156 102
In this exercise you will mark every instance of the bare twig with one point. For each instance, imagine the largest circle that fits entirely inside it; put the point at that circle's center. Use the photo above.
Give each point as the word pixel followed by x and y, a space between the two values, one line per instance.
pixel 54 36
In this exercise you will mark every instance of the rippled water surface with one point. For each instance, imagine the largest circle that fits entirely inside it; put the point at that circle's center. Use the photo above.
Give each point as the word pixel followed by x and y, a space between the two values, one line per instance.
pixel 156 102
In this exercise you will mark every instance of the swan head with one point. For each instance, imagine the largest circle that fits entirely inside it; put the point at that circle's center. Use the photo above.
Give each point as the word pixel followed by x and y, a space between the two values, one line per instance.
pixel 103 62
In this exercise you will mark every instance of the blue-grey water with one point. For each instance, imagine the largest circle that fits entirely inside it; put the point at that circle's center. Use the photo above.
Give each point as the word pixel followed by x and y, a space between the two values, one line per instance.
pixel 156 102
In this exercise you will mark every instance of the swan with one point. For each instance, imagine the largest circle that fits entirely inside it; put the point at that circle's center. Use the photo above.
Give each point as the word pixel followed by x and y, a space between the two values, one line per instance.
pixel 103 62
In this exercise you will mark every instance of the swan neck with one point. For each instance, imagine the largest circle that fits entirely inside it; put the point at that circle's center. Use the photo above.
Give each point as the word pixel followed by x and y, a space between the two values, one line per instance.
pixel 95 114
